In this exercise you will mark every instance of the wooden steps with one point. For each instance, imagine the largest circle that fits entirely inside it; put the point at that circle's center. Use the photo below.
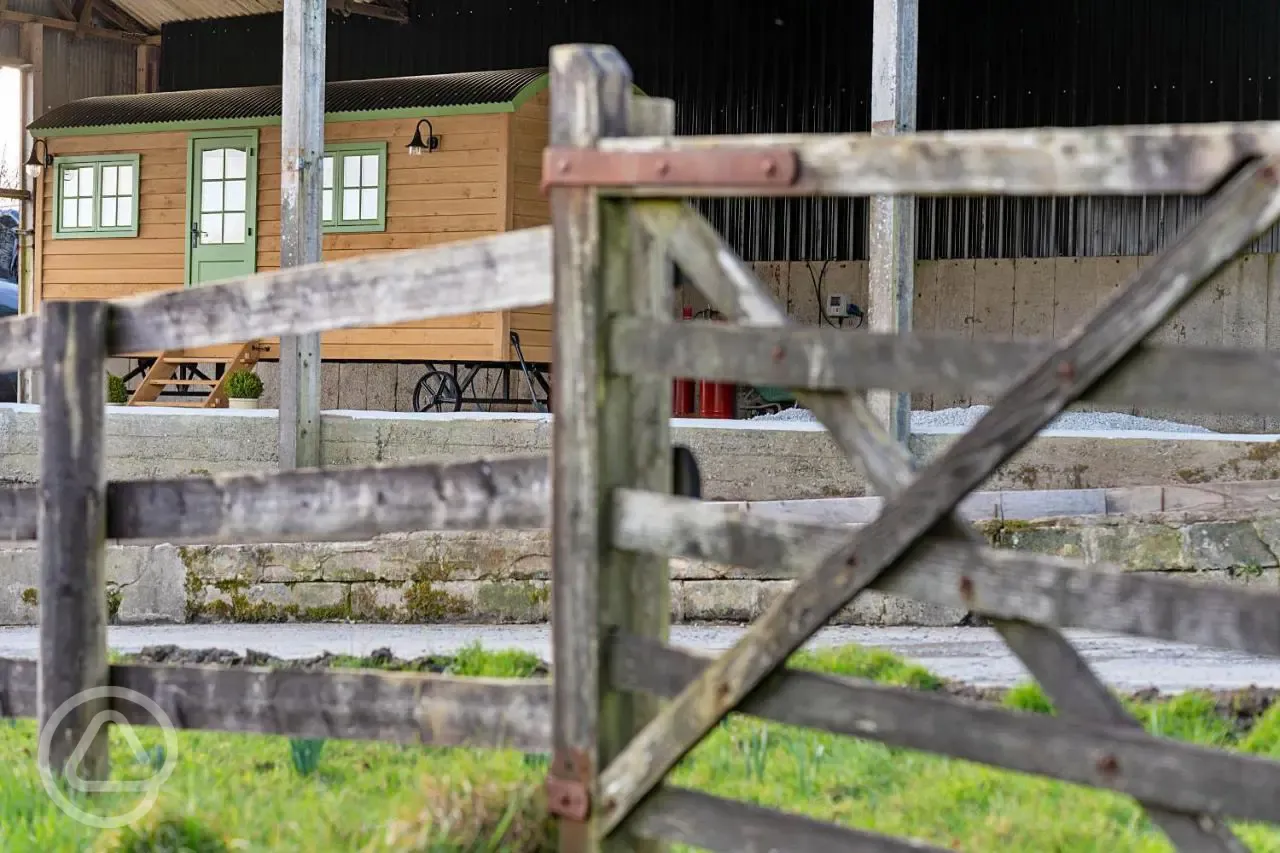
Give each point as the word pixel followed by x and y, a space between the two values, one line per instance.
pixel 164 375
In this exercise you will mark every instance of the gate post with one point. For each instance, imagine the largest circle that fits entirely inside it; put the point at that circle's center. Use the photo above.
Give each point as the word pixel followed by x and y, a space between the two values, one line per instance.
pixel 609 432
pixel 72 532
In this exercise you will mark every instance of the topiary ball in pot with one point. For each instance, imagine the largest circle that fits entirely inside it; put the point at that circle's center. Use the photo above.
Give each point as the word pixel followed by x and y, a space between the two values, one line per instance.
pixel 243 389
pixel 117 391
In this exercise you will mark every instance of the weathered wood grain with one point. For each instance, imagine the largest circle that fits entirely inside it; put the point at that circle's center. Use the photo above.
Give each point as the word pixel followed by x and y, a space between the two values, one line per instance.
pixel 1134 160
pixel 726 826
pixel 825 359
pixel 366 705
pixel 20 342
pixel 592 262
pixel 1177 775
pixel 333 505
pixel 954 573
pixel 72 529
pixel 1063 673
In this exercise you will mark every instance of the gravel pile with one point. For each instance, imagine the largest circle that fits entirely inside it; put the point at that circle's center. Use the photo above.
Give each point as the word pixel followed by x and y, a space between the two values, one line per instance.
pixel 966 417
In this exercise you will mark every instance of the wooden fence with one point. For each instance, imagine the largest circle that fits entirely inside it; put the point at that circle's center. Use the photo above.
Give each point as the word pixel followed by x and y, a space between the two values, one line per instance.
pixel 624 707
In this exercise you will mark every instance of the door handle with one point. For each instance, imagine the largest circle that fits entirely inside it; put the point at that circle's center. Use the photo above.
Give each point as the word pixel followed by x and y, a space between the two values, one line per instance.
pixel 195 234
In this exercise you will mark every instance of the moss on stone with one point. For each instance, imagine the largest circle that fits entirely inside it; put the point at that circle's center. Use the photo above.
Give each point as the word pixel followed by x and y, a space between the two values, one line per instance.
pixel 424 601
pixel 30 596
pixel 513 602
pixel 195 592
pixel 1192 475
pixel 114 596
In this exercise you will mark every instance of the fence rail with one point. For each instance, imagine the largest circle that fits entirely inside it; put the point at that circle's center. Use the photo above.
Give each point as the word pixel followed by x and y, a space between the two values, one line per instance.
pixel 624 707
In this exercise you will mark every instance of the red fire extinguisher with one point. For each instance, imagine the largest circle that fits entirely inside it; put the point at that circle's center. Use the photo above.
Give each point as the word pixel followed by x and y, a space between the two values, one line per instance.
pixel 717 400
pixel 682 399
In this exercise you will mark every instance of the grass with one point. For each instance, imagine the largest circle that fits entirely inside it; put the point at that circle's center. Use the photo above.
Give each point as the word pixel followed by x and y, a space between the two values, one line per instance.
pixel 242 792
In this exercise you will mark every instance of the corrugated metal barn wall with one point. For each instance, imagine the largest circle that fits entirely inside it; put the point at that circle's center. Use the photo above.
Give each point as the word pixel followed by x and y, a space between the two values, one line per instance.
pixel 803 65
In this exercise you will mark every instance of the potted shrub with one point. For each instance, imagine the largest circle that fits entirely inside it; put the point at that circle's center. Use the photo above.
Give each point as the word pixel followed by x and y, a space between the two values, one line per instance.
pixel 117 393
pixel 243 389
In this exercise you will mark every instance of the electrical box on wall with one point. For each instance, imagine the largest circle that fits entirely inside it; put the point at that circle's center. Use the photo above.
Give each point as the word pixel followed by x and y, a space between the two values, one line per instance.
pixel 837 305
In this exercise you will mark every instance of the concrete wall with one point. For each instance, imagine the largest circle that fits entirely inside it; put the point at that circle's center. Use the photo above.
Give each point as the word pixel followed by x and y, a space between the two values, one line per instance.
pixel 504 576
pixel 780 460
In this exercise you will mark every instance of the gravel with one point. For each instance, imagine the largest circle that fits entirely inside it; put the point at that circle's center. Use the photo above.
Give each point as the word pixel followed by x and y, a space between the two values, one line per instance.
pixel 966 417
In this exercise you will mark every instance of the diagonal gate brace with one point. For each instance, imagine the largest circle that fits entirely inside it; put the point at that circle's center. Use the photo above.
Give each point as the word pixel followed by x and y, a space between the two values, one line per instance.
pixel 1247 206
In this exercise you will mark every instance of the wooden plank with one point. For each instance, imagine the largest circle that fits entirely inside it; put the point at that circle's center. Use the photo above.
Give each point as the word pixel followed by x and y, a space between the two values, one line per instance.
pixel 1049 591
pixel 408 708
pixel 1064 675
pixel 1033 298
pixel 340 504
pixel 1190 378
pixel 711 823
pixel 72 528
pixel 1129 160
pixel 956 283
pixel 1177 775
pixel 592 262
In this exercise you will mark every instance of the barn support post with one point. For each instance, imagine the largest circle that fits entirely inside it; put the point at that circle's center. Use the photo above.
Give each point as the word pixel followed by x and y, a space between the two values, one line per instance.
pixel 32 109
pixel 72 529
pixel 891 238
pixel 302 151
pixel 610 431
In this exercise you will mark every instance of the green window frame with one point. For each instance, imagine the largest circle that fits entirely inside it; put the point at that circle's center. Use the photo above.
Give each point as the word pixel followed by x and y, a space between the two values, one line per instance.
pixel 354 182
pixel 96 196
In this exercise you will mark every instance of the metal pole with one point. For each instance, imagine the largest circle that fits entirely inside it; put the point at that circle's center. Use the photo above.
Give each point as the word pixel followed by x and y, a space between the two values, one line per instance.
pixel 302 145
pixel 891 241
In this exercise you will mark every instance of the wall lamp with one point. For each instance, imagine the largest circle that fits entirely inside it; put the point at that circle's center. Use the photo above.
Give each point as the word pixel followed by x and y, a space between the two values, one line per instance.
pixel 420 146
pixel 35 163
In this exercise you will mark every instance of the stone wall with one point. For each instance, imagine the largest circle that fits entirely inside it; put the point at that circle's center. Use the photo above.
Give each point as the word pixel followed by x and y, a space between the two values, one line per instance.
pixel 503 577
pixel 759 462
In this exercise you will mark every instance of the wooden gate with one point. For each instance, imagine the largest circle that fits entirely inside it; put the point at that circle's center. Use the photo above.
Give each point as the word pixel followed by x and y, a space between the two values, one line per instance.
pixel 612 169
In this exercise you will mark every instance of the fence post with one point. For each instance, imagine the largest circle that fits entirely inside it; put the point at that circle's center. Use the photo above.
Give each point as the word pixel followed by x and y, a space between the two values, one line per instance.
pixel 72 531
pixel 609 431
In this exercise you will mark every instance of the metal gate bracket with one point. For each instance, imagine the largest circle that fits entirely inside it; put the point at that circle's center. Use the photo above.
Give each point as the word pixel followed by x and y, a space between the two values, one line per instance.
pixel 567 794
pixel 714 167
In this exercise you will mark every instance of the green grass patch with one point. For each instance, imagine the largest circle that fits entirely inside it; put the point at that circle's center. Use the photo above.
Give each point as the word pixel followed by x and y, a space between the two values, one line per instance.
pixel 245 792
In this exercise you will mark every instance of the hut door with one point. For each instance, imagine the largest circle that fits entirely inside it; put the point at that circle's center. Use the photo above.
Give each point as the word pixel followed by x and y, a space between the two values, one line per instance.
pixel 222 241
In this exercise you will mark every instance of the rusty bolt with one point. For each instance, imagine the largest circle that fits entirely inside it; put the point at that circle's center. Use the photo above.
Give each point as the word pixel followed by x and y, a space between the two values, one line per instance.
pixel 566 802
pixel 769 167
pixel 722 691
pixel 662 168
pixel 966 587
pixel 610 805
pixel 1108 764
pixel 564 167
pixel 1066 371
pixel 778 352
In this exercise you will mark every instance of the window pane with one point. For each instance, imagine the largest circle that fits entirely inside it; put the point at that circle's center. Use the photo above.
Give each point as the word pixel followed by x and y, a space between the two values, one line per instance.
pixel 350 205
pixel 70 183
pixel 211 197
pixel 351 171
pixel 234 198
pixel 233 228
pixel 125 180
pixel 86 181
pixel 369 204
pixel 86 212
pixel 108 212
pixel 236 163
pixel 369 171
pixel 108 180
pixel 326 203
pixel 328 173
pixel 124 212
pixel 211 228
pixel 211 165
pixel 69 208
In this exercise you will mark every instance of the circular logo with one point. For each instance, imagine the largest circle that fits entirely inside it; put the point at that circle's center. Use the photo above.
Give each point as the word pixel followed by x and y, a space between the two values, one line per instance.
pixel 149 788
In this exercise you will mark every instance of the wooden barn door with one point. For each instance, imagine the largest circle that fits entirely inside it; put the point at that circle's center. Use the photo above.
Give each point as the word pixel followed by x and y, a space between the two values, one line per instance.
pixel 222 237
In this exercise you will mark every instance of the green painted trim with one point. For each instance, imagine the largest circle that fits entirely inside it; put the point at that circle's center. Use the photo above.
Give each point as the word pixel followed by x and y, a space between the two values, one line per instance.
pixel 272 121
pixel 522 97
pixel 96 232
pixel 251 192
pixel 336 226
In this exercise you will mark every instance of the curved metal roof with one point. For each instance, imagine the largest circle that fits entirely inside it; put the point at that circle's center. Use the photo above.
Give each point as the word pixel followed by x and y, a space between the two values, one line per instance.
pixel 469 89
